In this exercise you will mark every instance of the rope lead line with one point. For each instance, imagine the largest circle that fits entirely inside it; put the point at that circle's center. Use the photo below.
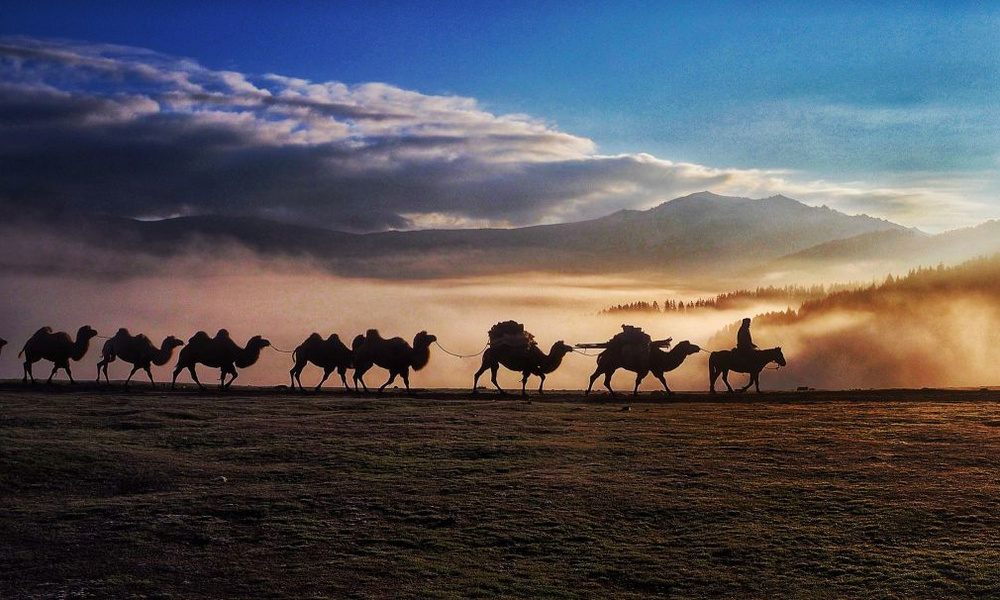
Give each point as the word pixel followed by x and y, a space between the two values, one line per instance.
pixel 436 343
pixel 276 349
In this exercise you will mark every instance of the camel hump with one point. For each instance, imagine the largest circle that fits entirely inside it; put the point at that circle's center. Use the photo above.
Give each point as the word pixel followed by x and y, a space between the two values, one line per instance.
pixel 201 336
pixel 359 340
pixel 314 337
pixel 222 334
pixel 373 334
pixel 42 331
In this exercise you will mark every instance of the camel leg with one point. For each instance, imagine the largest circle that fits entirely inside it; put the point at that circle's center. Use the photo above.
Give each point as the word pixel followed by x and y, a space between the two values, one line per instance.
pixel 638 380
pixel 663 380
pixel 130 375
pixel 326 375
pixel 392 377
pixel 406 379
pixel 101 364
pixel 230 382
pixel 493 377
pixel 593 378
pixel 28 373
pixel 487 360
pixel 524 384
pixel 541 383
pixel 292 374
pixel 149 372
pixel 194 377
pixel 69 374
pixel 342 371
pixel 359 375
pixel 607 381
pixel 53 373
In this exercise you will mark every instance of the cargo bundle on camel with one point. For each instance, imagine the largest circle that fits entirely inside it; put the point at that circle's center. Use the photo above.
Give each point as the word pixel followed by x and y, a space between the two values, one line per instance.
pixel 636 351
pixel 513 347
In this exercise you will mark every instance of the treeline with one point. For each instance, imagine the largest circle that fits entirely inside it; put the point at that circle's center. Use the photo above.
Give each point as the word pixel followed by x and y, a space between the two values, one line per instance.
pixel 791 294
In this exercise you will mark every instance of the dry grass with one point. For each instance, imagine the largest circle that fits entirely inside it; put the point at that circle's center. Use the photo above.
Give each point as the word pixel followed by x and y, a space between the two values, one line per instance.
pixel 119 494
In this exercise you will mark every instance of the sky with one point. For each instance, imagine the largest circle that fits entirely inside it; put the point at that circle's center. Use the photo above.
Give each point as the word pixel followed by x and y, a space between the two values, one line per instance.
pixel 377 115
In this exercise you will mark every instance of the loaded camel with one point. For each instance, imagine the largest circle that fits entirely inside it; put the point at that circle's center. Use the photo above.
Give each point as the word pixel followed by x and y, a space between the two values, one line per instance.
pixel 394 355
pixel 528 360
pixel 658 363
pixel 56 347
pixel 137 350
pixel 752 362
pixel 220 352
pixel 329 354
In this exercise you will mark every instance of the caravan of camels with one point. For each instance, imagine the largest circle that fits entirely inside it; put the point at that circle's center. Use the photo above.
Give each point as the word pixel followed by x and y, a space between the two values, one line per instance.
pixel 510 346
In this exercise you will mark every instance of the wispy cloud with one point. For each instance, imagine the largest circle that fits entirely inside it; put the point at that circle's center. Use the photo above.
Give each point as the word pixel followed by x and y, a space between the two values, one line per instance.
pixel 131 132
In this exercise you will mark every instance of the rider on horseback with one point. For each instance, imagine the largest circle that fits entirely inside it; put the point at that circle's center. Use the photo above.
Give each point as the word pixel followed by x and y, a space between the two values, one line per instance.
pixel 744 341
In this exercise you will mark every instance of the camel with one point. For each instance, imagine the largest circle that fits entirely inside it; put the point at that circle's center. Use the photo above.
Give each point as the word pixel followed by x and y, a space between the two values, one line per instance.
pixel 56 347
pixel 724 361
pixel 329 354
pixel 394 355
pixel 137 350
pixel 220 352
pixel 658 363
pixel 528 360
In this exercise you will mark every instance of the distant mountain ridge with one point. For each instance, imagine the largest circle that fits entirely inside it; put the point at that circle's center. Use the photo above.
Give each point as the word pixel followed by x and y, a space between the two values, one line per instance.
pixel 699 235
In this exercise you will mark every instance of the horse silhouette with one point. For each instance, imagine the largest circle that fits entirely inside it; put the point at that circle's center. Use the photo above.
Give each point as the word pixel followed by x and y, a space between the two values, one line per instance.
pixel 753 362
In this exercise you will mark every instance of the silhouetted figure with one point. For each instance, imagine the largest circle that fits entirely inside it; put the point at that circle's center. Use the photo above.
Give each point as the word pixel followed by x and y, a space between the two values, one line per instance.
pixel 56 347
pixel 753 362
pixel 137 350
pixel 328 354
pixel 220 352
pixel 395 355
pixel 658 362
pixel 744 341
pixel 528 360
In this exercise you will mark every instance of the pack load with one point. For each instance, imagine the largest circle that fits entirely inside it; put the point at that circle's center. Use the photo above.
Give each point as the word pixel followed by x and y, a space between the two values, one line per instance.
pixel 511 333
pixel 632 343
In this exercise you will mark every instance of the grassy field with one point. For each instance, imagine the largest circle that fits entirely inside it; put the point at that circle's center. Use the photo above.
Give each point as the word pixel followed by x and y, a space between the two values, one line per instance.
pixel 267 494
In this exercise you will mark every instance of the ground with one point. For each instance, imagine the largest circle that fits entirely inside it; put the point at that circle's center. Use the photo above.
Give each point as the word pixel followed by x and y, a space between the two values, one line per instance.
pixel 114 493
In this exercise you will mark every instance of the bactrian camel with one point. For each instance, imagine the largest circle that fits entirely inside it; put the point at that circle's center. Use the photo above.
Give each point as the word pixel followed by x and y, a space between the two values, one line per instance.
pixel 56 347
pixel 394 355
pixel 137 350
pixel 658 363
pixel 527 360
pixel 329 354
pixel 220 352
pixel 753 362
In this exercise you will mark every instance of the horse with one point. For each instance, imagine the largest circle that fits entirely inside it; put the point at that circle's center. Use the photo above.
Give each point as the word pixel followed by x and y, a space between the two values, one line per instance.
pixel 723 361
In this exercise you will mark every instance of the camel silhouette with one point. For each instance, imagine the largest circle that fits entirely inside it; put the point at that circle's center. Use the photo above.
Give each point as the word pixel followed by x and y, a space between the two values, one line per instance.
pixel 394 355
pixel 137 350
pixel 752 362
pixel 657 363
pixel 56 347
pixel 220 352
pixel 329 354
pixel 528 360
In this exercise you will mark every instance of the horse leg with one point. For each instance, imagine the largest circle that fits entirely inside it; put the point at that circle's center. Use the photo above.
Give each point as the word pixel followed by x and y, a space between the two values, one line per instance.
pixel 749 382
pixel 725 380
pixel 713 375
pixel 756 381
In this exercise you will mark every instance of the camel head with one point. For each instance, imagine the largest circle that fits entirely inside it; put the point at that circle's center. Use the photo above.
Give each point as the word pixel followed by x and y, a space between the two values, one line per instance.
pixel 86 333
pixel 687 348
pixel 424 339
pixel 258 342
pixel 171 342
pixel 560 349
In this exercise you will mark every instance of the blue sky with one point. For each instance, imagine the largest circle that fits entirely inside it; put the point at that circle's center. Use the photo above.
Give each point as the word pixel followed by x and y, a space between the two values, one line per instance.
pixel 888 110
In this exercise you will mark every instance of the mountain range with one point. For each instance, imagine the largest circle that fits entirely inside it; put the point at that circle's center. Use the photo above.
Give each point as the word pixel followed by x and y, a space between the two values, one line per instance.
pixel 700 236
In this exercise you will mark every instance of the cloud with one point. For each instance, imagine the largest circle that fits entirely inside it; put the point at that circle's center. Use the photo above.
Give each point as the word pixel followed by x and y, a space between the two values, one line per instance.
pixel 131 132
